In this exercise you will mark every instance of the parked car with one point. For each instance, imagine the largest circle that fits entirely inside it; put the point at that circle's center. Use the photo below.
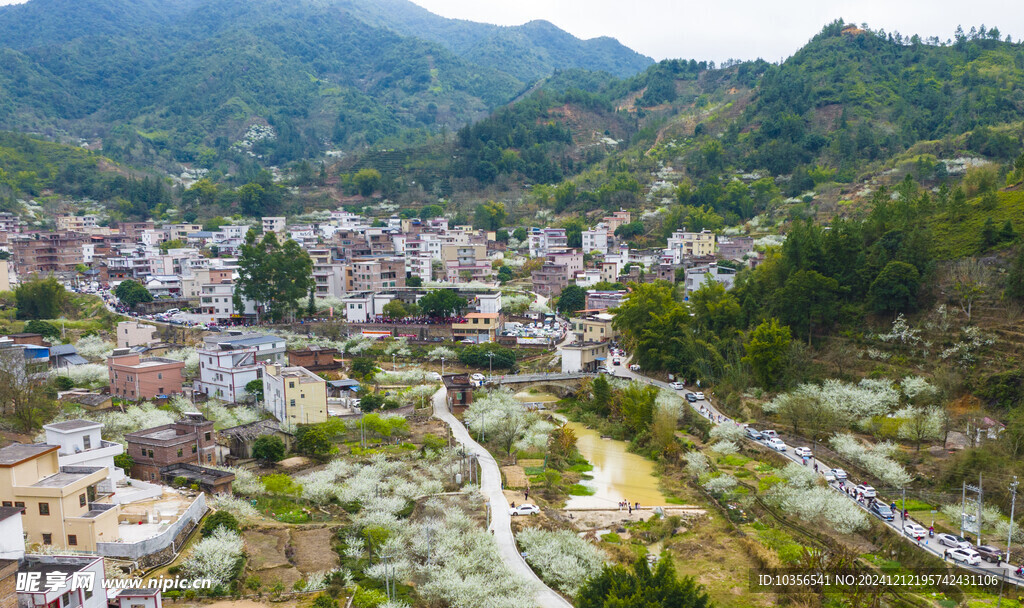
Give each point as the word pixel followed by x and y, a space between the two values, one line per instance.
pixel 634 368
pixel 866 490
pixel 691 397
pixel 172 311
pixel 776 444
pixel 882 510
pixel 914 529
pixel 676 385
pixel 803 452
pixel 952 540
pixel 989 554
pixel 754 433
pixel 478 377
pixel 769 434
pixel 963 556
pixel 699 395
pixel 467 341
pixel 524 509
pixel 616 361
pixel 839 474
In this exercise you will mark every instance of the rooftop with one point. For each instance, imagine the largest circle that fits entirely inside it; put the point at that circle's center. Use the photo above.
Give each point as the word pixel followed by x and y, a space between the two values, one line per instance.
pixel 59 480
pixel 6 512
pixel 73 425
pixel 18 452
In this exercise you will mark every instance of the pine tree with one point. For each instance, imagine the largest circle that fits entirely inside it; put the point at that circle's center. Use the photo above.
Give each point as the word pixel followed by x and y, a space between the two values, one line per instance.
pixel 1014 288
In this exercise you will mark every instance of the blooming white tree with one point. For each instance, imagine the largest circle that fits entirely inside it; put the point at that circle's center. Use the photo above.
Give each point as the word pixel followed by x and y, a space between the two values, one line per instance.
pixel 134 418
pixel 916 386
pixel 215 556
pixel 696 463
pixel 814 502
pixel 436 353
pixel 190 357
pixel 89 375
pixel 94 348
pixel 726 447
pixel 561 558
pixel 242 509
pixel 726 432
pixel 876 460
pixel 720 484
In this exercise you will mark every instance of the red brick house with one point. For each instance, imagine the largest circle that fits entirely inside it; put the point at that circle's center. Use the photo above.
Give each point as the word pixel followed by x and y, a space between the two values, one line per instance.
pixel 187 441
pixel 133 377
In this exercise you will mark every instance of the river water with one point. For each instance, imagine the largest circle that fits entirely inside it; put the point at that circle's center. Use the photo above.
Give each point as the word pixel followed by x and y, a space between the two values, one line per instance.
pixel 618 474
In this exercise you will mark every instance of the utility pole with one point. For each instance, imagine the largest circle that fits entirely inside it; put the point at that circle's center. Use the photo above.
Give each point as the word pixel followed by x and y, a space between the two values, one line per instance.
pixel 963 504
pixel 963 507
pixel 1013 503
pixel 903 509
pixel 490 366
pixel 978 540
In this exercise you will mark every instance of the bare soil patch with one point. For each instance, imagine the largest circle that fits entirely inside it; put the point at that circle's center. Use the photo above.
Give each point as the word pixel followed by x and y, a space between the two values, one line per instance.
pixel 311 549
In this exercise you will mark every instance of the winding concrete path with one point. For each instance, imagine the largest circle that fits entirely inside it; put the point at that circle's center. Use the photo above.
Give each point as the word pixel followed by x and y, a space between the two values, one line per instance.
pixel 501 521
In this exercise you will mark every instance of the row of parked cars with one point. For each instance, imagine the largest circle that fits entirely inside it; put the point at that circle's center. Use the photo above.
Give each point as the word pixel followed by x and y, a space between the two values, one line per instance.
pixel 960 549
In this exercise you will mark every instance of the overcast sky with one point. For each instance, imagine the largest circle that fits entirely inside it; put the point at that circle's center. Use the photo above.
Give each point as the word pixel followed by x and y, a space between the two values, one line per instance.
pixel 742 29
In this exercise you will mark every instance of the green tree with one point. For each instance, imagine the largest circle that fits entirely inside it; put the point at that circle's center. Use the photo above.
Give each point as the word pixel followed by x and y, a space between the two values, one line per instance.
pixel 253 200
pixel 362 367
pixel 40 298
pixel 395 310
pixel 312 441
pixel 131 293
pixel 807 299
pixel 573 232
pixel 520 234
pixel 619 587
pixel 714 308
pixel 572 298
pixel 255 388
pixel 124 461
pixel 367 181
pixel 274 276
pixel 1014 287
pixel 325 601
pixel 640 307
pixel 601 395
pixel 219 519
pixel 767 349
pixel 565 196
pixel 413 282
pixel 477 356
pixel 442 303
pixel 489 216
pixel 636 405
pixel 895 288
pixel 268 448
pixel 44 329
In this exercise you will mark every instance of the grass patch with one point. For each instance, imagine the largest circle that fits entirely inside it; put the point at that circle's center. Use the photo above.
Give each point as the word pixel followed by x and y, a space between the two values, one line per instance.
pixel 733 460
pixel 578 489
pixel 914 505
pixel 532 471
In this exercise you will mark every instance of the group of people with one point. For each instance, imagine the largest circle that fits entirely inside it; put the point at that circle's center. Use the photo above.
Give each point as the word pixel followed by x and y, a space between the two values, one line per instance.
pixel 420 320
pixel 625 504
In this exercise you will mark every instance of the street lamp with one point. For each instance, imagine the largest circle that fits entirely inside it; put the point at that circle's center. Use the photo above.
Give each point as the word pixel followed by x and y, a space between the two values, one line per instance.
pixel 442 366
pixel 393 365
pixel 490 367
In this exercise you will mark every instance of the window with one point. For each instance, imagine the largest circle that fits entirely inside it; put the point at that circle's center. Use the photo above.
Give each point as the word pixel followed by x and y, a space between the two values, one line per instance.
pixel 291 384
pixel 207 435
pixel 160 376
pixel 8 503
pixel 86 442
pixel 44 509
pixel 81 500
pixel 65 599
pixel 209 458
pixel 19 504
pixel 292 403
pixel 47 538
pixel 179 452
pixel 151 453
pixel 194 448
pixel 72 540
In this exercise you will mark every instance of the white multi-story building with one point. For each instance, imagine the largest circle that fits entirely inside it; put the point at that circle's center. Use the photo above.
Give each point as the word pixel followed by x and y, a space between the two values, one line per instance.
pixel 12 533
pixel 546 240
pixel 228 363
pixel 598 239
pixel 273 224
pixel 80 445
pixel 699 275
pixel 62 581
pixel 684 244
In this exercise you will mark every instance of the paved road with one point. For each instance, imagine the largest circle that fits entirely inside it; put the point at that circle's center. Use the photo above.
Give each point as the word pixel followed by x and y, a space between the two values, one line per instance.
pixel 501 521
pixel 708 410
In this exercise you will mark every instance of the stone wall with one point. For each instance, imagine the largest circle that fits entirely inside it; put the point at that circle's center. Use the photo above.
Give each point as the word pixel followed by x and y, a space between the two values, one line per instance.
pixel 159 548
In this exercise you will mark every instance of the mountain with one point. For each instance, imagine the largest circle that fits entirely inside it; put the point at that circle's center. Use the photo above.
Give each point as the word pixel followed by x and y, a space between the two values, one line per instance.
pixel 179 80
pixel 539 47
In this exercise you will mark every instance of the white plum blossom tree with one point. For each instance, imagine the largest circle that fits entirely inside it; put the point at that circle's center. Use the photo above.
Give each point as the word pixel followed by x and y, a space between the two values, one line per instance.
pixel 561 558
pixel 215 556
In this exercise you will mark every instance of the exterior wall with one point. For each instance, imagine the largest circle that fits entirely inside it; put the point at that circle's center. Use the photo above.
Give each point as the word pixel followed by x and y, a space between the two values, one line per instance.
pixel 191 444
pixel 8 577
pixel 153 546
pixel 584 357
pixel 12 539
pixel 132 333
pixel 294 395
pixel 5 275
pixel 91 566
pixel 139 601
pixel 134 379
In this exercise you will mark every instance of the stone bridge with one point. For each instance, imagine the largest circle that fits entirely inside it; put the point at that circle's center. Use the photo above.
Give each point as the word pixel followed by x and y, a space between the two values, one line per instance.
pixel 559 384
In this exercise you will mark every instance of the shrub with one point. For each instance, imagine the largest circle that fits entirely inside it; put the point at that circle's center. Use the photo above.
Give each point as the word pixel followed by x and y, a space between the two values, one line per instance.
pixel 269 448
pixel 220 519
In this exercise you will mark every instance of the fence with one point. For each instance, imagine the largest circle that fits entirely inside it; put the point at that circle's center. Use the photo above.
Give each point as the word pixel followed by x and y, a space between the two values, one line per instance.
pixel 163 540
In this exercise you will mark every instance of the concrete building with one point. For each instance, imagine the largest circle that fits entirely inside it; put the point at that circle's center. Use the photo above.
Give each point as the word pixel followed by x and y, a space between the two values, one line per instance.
pixel 550 279
pixel 594 328
pixel 62 581
pixel 6 279
pixel 139 597
pixel 465 262
pixel 77 223
pixel 314 358
pixel 133 333
pixel 79 444
pixel 585 357
pixel 378 274
pixel 599 239
pixel 294 395
pixel 699 275
pixel 49 252
pixel 228 363
pixel 682 245
pixel 603 300
pixel 735 247
pixel 187 441
pixel 478 326
pixel 12 536
pixel 134 378
pixel 273 224
pixel 60 503
pixel 545 240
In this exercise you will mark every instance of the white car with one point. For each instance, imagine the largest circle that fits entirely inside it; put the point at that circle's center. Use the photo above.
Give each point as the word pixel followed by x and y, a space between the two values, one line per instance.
pixel 634 368
pixel 803 452
pixel 769 434
pixel 776 444
pixel 699 395
pixel 616 361
pixel 914 530
pixel 839 474
pixel 964 556
pixel 951 540
pixel 525 509
pixel 866 490
pixel 676 385
pixel 478 377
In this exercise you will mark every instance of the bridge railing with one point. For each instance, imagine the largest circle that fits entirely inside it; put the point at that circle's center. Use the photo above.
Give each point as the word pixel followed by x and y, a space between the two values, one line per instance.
pixel 521 378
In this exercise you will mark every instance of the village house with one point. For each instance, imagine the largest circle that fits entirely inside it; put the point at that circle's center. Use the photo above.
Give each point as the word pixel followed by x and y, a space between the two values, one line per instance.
pixel 62 581
pixel 134 378
pixel 294 395
pixel 228 363
pixel 189 440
